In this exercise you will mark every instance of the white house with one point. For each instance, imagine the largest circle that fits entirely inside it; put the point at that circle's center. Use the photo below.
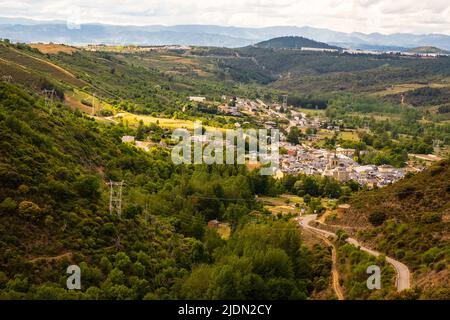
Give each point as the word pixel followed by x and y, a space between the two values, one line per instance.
pixel 128 139
pixel 197 99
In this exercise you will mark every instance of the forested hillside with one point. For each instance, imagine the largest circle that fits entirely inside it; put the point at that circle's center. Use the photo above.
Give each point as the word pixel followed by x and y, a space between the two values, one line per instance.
pixel 410 221
pixel 293 43
pixel 55 164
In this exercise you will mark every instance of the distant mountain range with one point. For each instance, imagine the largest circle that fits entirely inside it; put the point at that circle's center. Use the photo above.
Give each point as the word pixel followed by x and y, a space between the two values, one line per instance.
pixel 25 30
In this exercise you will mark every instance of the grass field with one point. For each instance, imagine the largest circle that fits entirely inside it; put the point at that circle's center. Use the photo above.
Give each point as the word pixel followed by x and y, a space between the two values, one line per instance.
pixel 134 119
pixel 53 48
pixel 312 112
pixel 284 204
pixel 377 117
pixel 349 135
pixel 179 65
pixel 323 133
pixel 24 61
pixel 400 88
pixel 73 99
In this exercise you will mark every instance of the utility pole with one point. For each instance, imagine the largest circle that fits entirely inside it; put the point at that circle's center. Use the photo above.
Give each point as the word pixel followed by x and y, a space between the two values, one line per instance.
pixel 115 198
pixel 93 104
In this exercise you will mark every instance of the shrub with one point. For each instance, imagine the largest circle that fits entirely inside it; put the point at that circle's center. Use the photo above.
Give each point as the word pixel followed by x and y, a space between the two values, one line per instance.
pixel 430 217
pixel 132 211
pixel 377 218
pixel 88 187
pixel 435 170
pixel 86 102
pixel 29 208
pixel 405 192
pixel 8 206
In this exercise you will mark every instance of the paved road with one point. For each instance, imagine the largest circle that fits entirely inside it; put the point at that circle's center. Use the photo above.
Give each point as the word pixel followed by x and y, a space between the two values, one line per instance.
pixel 403 277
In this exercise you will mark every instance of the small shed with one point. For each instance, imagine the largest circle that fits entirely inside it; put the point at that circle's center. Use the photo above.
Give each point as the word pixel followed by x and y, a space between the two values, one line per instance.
pixel 213 224
pixel 343 208
pixel 128 139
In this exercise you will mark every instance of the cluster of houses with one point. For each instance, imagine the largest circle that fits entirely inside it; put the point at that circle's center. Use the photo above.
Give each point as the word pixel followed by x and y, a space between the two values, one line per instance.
pixel 338 165
pixel 376 52
pixel 398 53
pixel 134 49
pixel 144 145
pixel 319 49
pixel 237 106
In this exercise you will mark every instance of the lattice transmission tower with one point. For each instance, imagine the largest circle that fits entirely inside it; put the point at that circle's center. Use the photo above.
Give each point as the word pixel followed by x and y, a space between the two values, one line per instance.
pixel 49 96
pixel 7 78
pixel 115 197
pixel 285 100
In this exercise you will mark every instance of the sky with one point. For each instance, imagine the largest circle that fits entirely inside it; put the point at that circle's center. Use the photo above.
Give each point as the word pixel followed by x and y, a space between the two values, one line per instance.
pixel 383 16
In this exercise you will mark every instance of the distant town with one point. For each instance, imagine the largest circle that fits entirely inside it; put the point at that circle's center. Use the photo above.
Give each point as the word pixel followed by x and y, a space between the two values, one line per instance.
pixel 303 158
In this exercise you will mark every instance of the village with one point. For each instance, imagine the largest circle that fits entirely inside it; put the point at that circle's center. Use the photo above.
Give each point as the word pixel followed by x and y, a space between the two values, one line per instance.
pixel 305 157
pixel 338 165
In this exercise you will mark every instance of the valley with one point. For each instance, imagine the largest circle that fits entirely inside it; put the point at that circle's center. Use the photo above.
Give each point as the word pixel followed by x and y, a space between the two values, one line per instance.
pixel 364 150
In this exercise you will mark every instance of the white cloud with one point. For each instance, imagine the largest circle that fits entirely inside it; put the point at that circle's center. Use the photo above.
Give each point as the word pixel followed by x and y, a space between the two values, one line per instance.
pixel 385 16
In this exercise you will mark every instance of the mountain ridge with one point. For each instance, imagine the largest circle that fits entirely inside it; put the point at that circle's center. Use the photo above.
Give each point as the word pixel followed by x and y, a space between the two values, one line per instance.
pixel 27 30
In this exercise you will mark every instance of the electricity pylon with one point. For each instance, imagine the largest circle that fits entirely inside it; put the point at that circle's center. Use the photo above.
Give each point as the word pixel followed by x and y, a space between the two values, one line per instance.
pixel 437 143
pixel 49 97
pixel 115 198
pixel 117 243
pixel 285 101
pixel 7 78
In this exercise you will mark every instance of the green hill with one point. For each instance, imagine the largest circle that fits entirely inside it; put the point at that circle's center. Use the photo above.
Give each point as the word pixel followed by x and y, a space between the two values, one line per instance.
pixel 293 43
pixel 428 50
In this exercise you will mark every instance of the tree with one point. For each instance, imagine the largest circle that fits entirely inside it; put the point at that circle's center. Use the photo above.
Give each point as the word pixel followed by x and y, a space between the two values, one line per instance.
pixel 29 208
pixel 131 211
pixel 377 218
pixel 294 135
pixel 141 131
pixel 88 187
pixel 8 205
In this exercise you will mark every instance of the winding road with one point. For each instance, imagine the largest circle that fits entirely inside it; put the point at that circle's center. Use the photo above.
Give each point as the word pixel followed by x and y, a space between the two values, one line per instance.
pixel 403 277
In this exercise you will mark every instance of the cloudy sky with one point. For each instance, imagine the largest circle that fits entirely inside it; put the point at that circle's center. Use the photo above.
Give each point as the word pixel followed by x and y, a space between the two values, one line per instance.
pixel 385 16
